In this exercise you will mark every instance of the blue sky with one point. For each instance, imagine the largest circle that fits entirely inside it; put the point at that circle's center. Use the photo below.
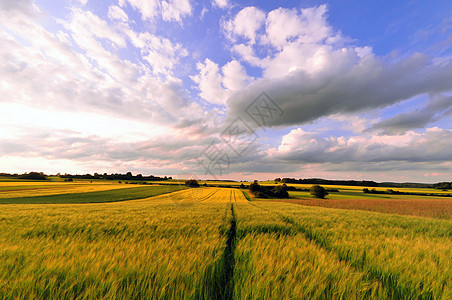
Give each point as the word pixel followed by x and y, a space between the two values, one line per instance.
pixel 358 89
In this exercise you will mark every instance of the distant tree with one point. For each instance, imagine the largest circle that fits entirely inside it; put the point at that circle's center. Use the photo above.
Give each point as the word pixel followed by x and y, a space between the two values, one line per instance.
pixel 69 180
pixel 242 186
pixel 280 191
pixel 33 176
pixel 254 187
pixel 192 183
pixel 318 191
pixel 365 190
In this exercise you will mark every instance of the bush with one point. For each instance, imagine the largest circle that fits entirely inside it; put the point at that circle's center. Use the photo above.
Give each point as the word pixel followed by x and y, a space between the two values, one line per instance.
pixel 254 187
pixel 318 191
pixel 260 194
pixel 280 192
pixel 268 192
pixel 192 183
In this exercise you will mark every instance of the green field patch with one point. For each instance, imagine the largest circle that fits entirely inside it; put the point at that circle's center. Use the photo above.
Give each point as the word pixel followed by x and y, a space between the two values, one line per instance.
pixel 116 195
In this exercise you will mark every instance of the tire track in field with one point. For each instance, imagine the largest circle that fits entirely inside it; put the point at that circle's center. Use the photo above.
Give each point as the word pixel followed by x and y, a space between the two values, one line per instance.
pixel 204 198
pixel 219 282
pixel 232 196
pixel 392 286
pixel 225 288
pixel 229 258
pixel 395 290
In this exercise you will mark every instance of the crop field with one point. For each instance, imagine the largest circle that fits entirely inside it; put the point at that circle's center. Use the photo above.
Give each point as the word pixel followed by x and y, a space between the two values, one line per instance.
pixel 354 198
pixel 85 194
pixel 32 189
pixel 213 243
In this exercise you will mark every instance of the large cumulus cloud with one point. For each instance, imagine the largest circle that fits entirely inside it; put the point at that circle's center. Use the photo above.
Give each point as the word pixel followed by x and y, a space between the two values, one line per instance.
pixel 312 71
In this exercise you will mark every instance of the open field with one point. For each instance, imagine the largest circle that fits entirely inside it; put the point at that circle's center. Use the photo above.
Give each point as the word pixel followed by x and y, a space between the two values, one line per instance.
pixel 213 243
pixel 349 198
pixel 147 248
pixel 33 189
pixel 111 195
pixel 423 207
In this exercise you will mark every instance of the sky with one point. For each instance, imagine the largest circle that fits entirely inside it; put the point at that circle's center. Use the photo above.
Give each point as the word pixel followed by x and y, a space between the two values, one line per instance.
pixel 228 90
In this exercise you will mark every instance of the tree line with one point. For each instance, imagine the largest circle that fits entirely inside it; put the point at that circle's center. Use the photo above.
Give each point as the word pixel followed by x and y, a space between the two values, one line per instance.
pixel 363 183
pixel 112 176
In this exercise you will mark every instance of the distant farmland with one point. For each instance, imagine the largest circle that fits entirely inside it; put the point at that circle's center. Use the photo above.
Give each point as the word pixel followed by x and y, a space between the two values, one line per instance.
pixel 213 243
pixel 354 198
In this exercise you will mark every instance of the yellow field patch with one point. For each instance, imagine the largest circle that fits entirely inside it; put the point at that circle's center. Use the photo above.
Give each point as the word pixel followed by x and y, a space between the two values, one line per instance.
pixel 199 195
pixel 56 189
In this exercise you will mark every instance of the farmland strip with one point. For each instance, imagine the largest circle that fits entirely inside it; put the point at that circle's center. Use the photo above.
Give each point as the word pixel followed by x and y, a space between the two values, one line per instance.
pixel 115 195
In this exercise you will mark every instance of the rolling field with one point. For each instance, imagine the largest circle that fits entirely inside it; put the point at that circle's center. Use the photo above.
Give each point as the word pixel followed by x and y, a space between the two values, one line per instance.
pixel 84 194
pixel 32 189
pixel 354 198
pixel 213 243
pixel 148 248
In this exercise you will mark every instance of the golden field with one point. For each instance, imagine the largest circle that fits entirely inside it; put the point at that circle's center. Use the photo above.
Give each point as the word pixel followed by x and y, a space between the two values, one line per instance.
pixel 212 243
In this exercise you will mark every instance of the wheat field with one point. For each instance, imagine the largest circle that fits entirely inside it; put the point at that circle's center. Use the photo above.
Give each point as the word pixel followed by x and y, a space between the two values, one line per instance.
pixel 213 243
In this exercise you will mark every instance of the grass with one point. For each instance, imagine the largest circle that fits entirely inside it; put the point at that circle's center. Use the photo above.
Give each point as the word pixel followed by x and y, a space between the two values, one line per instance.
pixel 213 243
pixel 114 195
pixel 246 195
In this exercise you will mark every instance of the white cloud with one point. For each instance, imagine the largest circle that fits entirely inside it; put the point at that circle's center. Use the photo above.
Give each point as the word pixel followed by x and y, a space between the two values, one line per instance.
pixel 293 40
pixel 433 145
pixel 174 10
pixel 245 24
pixel 286 26
pixel 354 87
pixel 148 9
pixel 171 10
pixel 161 54
pixel 309 70
pixel 220 3
pixel 83 2
pixel 26 7
pixel 209 82
pixel 116 13
pixel 41 69
pixel 215 86
pixel 235 77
